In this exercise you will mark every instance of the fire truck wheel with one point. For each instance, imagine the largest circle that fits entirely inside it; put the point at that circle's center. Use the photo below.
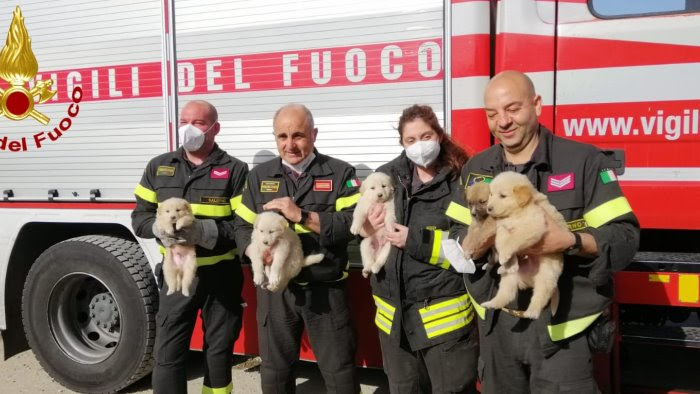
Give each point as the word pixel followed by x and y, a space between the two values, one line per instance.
pixel 88 309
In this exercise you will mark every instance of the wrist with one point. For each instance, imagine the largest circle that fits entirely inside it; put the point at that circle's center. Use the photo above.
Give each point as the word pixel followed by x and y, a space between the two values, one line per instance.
pixel 575 246
pixel 303 216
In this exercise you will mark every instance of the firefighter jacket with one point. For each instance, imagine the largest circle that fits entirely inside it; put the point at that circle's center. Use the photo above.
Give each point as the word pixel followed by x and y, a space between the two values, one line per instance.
pixel 579 180
pixel 418 292
pixel 329 187
pixel 213 190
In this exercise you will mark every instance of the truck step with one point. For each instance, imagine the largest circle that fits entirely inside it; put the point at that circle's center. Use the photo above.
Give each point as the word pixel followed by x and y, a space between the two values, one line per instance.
pixel 669 336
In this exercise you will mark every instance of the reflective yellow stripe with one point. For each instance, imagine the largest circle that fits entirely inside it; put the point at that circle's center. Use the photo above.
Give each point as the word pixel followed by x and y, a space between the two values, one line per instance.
pixel 221 390
pixel 459 213
pixel 214 211
pixel 384 306
pixel 570 328
pixel 301 229
pixel 384 316
pixel 444 308
pixel 235 202
pixel 607 211
pixel 435 254
pixel 382 323
pixel 346 202
pixel 209 260
pixel 449 324
pixel 480 310
pixel 246 214
pixel 146 194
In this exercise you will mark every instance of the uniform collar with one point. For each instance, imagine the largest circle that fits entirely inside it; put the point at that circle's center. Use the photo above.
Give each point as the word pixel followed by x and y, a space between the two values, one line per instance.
pixel 317 167
pixel 217 155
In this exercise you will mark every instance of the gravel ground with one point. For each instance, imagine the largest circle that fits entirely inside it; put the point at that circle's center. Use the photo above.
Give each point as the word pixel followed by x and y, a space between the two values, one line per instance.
pixel 23 374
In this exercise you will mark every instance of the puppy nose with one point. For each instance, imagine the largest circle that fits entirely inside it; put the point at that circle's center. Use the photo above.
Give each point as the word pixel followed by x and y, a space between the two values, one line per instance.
pixel 489 208
pixel 265 242
pixel 380 195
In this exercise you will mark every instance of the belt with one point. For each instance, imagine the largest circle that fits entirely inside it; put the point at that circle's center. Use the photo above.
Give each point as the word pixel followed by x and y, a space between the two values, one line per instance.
pixel 514 312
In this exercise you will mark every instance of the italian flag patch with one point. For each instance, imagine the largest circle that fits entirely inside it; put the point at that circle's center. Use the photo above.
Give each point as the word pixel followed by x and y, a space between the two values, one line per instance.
pixel 353 183
pixel 607 176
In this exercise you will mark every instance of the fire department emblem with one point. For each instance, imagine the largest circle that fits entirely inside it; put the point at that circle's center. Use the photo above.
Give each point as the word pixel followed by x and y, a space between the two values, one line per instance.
pixel 18 65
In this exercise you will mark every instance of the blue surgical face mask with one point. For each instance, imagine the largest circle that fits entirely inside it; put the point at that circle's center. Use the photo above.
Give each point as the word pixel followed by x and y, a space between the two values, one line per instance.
pixel 423 153
pixel 191 137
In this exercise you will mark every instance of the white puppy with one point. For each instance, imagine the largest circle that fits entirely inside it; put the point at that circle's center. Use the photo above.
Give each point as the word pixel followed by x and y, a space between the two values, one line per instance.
pixel 520 212
pixel 180 264
pixel 272 235
pixel 377 188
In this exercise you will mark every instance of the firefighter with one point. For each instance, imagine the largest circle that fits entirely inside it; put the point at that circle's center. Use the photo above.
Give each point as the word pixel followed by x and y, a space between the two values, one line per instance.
pixel 424 315
pixel 212 181
pixel 553 353
pixel 317 194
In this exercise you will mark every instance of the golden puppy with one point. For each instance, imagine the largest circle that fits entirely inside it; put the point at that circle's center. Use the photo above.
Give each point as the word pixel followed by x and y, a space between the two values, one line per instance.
pixel 377 188
pixel 272 235
pixel 483 226
pixel 520 212
pixel 180 264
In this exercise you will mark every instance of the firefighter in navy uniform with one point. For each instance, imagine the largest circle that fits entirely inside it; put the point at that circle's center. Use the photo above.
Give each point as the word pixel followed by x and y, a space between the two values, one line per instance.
pixel 212 181
pixel 553 353
pixel 317 194
pixel 424 314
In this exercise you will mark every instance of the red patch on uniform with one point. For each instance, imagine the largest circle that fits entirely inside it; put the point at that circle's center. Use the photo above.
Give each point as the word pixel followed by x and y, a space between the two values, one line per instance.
pixel 323 185
pixel 560 182
pixel 219 173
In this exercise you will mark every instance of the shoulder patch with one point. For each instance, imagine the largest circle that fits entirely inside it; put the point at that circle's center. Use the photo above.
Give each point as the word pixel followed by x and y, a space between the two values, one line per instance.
pixel 473 178
pixel 607 175
pixel 165 171
pixel 354 182
pixel 269 186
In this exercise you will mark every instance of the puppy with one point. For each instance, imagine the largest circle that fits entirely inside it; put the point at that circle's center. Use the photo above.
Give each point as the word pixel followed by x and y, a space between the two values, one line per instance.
pixel 483 225
pixel 272 235
pixel 377 188
pixel 180 264
pixel 520 212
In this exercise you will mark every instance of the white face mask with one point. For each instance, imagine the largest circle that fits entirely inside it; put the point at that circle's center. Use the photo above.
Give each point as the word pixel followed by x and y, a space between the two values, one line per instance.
pixel 191 137
pixel 423 153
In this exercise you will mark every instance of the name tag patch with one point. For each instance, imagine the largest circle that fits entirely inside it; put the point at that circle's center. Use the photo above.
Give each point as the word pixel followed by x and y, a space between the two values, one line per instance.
pixel 560 182
pixel 323 185
pixel 214 200
pixel 269 186
pixel 219 173
pixel 165 171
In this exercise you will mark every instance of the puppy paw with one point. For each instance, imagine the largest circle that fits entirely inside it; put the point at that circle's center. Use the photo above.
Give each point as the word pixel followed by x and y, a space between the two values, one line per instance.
pixel 185 292
pixel 170 291
pixel 531 314
pixel 376 268
pixel 274 282
pixel 365 273
pixel 502 270
pixel 492 304
pixel 258 280
pixel 355 228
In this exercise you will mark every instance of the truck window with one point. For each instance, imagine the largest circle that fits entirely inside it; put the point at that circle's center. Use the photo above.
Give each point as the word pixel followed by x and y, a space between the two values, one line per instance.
pixel 625 8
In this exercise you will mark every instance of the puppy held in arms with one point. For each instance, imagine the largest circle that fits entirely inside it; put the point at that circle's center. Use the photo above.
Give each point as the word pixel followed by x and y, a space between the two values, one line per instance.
pixel 520 212
pixel 483 226
pixel 378 188
pixel 273 237
pixel 180 264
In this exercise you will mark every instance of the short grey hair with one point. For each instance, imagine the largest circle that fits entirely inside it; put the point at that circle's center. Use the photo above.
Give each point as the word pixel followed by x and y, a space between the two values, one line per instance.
pixel 296 106
pixel 210 108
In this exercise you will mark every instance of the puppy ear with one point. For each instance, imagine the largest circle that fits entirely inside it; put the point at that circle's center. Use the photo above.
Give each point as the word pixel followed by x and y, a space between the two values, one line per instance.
pixel 522 194
pixel 363 186
pixel 285 224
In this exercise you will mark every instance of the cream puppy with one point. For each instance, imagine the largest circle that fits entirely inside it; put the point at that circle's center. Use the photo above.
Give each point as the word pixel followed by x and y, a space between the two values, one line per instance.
pixel 377 188
pixel 271 234
pixel 520 212
pixel 180 263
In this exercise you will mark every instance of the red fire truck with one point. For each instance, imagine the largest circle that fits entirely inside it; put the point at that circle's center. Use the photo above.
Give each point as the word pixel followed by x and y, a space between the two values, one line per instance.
pixel 79 124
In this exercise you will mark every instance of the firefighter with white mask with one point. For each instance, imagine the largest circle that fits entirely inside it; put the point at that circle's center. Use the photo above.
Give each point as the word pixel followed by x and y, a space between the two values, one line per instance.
pixel 212 182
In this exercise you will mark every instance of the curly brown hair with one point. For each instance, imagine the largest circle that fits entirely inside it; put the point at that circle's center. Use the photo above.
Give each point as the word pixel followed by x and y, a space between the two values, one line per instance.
pixel 451 155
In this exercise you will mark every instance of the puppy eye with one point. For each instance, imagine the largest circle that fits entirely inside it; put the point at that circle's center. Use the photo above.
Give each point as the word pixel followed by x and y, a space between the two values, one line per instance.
pixel 271 231
pixel 372 187
pixel 503 195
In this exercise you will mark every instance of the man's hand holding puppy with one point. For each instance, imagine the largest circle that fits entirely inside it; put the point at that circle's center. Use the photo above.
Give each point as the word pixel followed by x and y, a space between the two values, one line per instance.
pixel 286 207
pixel 557 240
pixel 202 232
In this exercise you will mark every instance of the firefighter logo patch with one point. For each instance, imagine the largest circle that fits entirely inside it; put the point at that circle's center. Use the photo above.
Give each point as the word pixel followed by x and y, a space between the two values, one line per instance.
pixel 323 185
pixel 269 186
pixel 165 171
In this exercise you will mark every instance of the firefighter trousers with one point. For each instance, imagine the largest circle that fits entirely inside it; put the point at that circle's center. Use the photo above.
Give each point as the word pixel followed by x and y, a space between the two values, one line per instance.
pixel 512 360
pixel 217 292
pixel 323 309
pixel 448 367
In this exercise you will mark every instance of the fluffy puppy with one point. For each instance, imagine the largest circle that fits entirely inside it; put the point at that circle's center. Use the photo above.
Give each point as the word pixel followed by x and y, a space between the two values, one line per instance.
pixel 272 235
pixel 377 188
pixel 180 264
pixel 483 225
pixel 520 212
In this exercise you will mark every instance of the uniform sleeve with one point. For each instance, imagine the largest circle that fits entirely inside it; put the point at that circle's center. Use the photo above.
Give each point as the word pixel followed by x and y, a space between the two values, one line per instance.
pixel 335 226
pixel 245 214
pixel 457 211
pixel 609 218
pixel 227 227
pixel 143 215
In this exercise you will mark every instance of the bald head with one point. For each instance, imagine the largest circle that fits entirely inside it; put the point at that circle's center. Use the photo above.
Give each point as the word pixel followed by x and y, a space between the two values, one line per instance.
pixel 295 109
pixel 294 132
pixel 206 108
pixel 514 81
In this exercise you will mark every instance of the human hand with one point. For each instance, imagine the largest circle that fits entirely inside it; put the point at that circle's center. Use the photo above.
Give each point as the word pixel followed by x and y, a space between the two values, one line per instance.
pixel 398 236
pixel 286 207
pixel 202 232
pixel 555 240
pixel 375 216
pixel 166 239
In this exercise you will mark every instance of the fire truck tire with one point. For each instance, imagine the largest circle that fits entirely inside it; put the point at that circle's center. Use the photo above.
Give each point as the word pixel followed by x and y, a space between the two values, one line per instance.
pixel 88 309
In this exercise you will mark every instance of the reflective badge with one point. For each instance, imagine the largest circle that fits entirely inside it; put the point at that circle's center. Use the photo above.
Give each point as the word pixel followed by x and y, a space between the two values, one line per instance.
pixel 323 185
pixel 576 225
pixel 165 171
pixel 473 178
pixel 214 200
pixel 560 182
pixel 219 173
pixel 269 186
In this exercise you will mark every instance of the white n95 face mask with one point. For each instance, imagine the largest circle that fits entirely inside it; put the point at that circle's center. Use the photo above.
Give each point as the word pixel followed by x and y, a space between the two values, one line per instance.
pixel 191 137
pixel 423 153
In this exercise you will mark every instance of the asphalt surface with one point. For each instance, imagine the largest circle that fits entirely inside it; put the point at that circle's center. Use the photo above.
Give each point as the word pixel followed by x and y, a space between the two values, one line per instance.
pixel 23 374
